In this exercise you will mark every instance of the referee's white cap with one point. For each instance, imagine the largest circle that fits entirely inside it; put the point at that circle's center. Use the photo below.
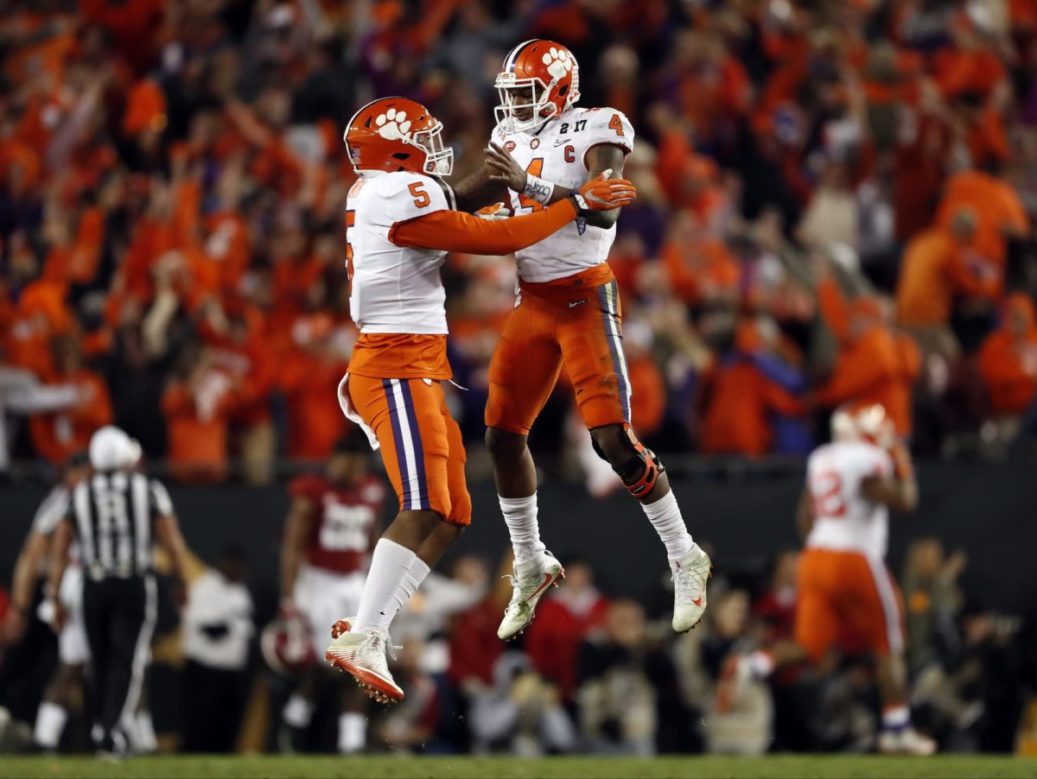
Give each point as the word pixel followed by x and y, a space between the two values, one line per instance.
pixel 111 449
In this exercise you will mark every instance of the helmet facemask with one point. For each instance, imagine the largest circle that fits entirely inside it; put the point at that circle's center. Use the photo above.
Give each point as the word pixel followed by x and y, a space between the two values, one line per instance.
pixel 439 160
pixel 525 103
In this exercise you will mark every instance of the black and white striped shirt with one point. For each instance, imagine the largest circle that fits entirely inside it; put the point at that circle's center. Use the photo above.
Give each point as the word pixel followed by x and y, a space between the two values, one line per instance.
pixel 113 515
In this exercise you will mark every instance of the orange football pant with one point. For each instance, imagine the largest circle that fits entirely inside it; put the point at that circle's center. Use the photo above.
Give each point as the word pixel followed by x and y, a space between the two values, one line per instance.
pixel 575 322
pixel 844 588
pixel 421 443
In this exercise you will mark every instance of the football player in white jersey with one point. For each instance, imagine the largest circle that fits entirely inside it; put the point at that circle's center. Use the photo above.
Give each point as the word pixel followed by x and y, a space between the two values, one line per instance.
pixel 400 222
pixel 73 651
pixel 568 314
pixel 842 580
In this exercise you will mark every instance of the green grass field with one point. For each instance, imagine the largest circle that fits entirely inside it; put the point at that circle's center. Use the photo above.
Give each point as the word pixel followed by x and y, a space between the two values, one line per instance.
pixel 515 768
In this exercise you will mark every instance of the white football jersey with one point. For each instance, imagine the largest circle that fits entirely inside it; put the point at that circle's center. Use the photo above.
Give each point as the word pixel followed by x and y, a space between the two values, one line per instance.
pixel 844 518
pixel 556 153
pixel 394 289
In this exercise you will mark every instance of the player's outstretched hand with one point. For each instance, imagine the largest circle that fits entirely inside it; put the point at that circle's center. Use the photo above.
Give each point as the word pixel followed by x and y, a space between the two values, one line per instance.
pixel 604 194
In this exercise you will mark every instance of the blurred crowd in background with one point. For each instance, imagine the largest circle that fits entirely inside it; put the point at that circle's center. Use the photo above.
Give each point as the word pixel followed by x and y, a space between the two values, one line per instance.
pixel 593 673
pixel 837 203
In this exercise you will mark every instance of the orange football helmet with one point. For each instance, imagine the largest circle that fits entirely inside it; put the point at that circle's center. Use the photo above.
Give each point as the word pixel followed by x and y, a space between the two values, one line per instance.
pixel 394 133
pixel 540 79
pixel 867 422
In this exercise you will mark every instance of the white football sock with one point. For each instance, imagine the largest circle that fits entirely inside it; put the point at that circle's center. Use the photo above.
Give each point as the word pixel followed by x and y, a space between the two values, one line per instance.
pixel 896 717
pixel 352 732
pixel 665 516
pixel 50 721
pixel 520 515
pixel 298 711
pixel 411 582
pixel 381 599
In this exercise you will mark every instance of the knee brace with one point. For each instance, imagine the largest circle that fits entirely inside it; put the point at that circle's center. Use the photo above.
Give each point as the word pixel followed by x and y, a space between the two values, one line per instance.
pixel 641 467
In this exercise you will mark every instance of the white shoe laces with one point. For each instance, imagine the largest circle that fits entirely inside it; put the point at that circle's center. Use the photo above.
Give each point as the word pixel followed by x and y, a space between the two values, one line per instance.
pixel 689 578
pixel 379 642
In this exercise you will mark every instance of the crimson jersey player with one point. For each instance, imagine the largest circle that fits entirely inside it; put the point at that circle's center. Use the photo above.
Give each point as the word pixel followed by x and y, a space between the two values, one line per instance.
pixel 331 528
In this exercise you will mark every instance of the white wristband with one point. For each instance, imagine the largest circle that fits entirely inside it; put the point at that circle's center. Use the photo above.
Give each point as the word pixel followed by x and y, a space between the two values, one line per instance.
pixel 537 189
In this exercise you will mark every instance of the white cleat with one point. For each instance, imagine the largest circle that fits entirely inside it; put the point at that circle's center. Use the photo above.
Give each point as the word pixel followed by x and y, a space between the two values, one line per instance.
pixel 906 741
pixel 690 575
pixel 532 579
pixel 362 654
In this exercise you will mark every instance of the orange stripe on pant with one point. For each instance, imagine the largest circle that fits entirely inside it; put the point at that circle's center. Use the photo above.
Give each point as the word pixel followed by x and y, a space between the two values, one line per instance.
pixel 421 443
pixel 836 589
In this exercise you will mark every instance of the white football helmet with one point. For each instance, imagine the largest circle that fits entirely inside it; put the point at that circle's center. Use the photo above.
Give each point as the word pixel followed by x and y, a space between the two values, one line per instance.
pixel 867 422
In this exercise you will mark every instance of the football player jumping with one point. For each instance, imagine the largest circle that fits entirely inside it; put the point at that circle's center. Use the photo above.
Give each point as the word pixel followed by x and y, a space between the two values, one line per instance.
pixel 543 149
pixel 400 222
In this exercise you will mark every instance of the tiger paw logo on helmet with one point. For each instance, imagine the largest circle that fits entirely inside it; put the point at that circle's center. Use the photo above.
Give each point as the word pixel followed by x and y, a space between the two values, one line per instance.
pixel 393 125
pixel 558 62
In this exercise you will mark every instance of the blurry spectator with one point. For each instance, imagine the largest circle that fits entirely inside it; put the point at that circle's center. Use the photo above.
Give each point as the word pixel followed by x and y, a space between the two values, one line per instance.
pixel 217 632
pixel 1008 365
pixel 932 601
pixel 564 618
pixel 21 392
pixel 412 725
pixel 58 435
pixel 943 268
pixel 508 705
pixel 868 369
pixel 196 407
pixel 474 647
pixel 628 696
pixel 739 398
pixel 999 213
pixel 309 377
pixel 831 216
pixel 746 728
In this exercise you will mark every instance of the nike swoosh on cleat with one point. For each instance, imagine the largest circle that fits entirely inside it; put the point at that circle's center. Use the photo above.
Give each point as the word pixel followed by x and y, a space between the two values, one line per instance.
pixel 697 601
pixel 548 578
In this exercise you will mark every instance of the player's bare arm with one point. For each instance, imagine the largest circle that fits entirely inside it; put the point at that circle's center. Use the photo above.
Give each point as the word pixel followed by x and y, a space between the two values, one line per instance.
pixel 478 189
pixel 804 515
pixel 899 493
pixel 26 569
pixel 300 520
pixel 167 532
pixel 60 544
pixel 600 158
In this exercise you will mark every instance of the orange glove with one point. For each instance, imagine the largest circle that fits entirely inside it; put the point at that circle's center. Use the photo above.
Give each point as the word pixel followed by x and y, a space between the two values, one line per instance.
pixel 604 194
pixel 494 212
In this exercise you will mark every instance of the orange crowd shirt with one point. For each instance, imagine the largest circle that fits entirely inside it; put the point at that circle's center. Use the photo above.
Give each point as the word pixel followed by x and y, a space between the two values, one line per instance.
pixel 740 400
pixel 996 204
pixel 934 271
pixel 1008 359
pixel 196 418
pixel 867 370
pixel 61 434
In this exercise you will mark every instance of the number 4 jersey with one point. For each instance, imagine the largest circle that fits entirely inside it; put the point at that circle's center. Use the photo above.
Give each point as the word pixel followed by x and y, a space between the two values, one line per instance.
pixel 844 518
pixel 340 537
pixel 557 153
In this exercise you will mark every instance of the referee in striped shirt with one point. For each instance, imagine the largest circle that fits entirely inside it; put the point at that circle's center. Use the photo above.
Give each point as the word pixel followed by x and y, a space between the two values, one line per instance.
pixel 116 515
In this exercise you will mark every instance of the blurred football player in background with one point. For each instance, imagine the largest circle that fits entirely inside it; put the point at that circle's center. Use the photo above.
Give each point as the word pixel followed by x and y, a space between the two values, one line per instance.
pixel 843 583
pixel 400 222
pixel 331 529
pixel 568 315
pixel 66 684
